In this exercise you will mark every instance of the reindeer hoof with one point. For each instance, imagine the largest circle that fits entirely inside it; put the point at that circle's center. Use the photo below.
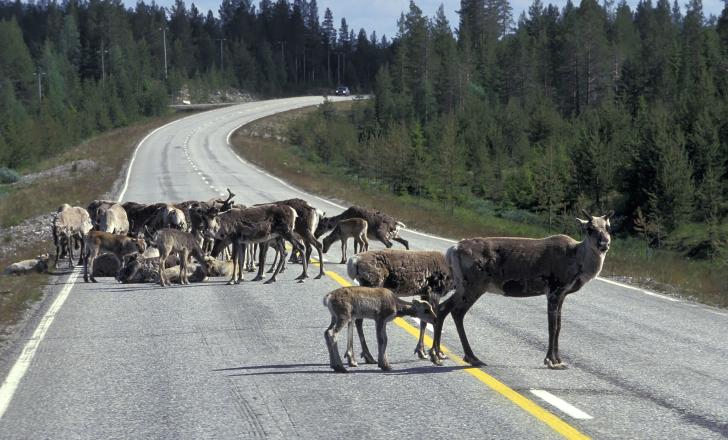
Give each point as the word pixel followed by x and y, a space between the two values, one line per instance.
pixel 368 359
pixel 258 278
pixel 555 365
pixel 319 276
pixel 340 369
pixel 230 283
pixel 434 358
pixel 385 367
pixel 475 362
pixel 270 281
pixel 420 352
pixel 353 362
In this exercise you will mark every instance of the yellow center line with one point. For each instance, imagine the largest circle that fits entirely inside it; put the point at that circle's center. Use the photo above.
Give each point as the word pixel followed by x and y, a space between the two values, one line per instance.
pixel 524 403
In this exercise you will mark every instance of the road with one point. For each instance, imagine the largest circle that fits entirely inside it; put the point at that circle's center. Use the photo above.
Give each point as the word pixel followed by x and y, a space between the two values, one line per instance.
pixel 249 361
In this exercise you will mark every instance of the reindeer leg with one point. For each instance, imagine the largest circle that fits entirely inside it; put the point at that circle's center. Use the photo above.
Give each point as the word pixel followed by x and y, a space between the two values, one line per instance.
pixel 83 251
pixel 558 331
pixel 235 257
pixel 382 361
pixel 420 347
pixel 458 314
pixel 343 250
pixel 311 241
pixel 240 251
pixel 330 336
pixel 281 250
pixel 365 354
pixel 262 251
pixel 299 246
pixel 70 253
pixel 274 265
pixel 442 311
pixel 381 236
pixel 555 300
pixel 402 240
pixel 350 346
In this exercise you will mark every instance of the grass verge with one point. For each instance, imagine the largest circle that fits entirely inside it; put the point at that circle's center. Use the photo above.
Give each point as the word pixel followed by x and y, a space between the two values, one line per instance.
pixel 264 143
pixel 110 150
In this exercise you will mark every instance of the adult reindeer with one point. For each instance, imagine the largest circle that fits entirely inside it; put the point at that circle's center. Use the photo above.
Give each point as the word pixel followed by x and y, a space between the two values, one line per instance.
pixel 520 267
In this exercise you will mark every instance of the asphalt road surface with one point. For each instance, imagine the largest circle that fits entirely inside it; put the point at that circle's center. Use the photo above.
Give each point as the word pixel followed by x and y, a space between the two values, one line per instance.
pixel 249 361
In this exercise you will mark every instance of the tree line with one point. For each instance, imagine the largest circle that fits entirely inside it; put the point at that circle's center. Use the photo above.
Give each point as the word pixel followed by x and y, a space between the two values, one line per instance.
pixel 595 106
pixel 72 69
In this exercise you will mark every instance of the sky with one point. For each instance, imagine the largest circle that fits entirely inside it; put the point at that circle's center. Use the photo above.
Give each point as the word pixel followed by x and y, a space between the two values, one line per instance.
pixel 381 15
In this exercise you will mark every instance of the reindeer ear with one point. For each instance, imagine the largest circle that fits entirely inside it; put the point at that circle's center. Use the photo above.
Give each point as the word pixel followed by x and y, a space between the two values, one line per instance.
pixel 586 214
pixel 582 223
pixel 608 215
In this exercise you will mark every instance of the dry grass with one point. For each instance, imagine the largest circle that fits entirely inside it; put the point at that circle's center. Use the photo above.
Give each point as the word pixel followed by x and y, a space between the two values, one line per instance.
pixel 665 271
pixel 17 203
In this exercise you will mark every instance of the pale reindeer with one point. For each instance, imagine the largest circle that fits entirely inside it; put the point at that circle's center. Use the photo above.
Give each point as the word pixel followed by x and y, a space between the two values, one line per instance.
pixel 185 244
pixel 520 267
pixel 355 228
pixel 349 303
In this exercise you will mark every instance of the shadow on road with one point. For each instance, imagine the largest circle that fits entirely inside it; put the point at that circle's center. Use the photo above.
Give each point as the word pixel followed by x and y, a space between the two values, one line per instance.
pixel 325 369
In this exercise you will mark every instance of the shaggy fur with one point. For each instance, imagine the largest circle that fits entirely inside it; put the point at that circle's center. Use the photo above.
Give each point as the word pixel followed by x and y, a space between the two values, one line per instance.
pixel 382 227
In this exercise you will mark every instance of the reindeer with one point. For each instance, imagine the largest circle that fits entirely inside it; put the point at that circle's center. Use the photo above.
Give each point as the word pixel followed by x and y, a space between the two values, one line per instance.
pixel 170 240
pixel 258 224
pixel 349 303
pixel 99 242
pixel 382 227
pixel 112 218
pixel 355 228
pixel 520 267
pixel 70 224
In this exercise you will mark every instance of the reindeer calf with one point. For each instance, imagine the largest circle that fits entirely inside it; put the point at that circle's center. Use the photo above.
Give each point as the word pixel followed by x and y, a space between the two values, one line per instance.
pixel 349 303
pixel 350 228
pixel 185 244
pixel 99 242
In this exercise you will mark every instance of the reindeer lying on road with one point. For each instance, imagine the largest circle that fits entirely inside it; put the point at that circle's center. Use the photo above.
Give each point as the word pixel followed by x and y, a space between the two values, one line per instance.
pixel 184 244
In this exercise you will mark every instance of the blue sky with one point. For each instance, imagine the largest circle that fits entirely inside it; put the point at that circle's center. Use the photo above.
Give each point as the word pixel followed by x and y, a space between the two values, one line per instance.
pixel 381 15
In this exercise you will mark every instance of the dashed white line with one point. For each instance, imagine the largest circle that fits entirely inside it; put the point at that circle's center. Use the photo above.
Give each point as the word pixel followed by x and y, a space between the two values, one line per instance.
pixel 562 405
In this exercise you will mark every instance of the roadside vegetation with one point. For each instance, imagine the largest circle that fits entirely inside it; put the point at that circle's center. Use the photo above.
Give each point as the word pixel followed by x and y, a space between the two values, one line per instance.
pixel 271 143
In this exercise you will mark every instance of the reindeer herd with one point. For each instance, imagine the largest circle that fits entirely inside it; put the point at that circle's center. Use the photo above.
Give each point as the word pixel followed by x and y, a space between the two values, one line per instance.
pixel 189 241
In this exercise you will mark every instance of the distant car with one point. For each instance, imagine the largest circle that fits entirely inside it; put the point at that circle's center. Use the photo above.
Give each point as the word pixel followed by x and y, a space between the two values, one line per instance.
pixel 342 91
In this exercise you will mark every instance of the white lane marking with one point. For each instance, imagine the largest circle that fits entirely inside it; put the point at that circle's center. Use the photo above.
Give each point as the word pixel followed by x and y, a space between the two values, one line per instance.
pixel 562 405
pixel 646 292
pixel 10 385
pixel 716 313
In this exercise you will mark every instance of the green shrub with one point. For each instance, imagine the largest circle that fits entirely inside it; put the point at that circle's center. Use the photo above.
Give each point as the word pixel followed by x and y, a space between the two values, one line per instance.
pixel 8 175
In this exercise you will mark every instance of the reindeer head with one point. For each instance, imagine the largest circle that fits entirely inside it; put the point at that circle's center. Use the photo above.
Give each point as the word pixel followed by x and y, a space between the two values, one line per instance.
pixel 597 230
pixel 325 225
pixel 423 311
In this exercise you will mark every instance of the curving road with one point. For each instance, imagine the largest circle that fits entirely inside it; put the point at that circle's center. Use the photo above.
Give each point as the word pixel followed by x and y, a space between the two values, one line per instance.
pixel 249 361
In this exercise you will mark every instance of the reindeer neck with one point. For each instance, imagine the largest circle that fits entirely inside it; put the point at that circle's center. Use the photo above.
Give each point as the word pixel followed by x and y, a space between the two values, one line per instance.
pixel 591 258
pixel 404 308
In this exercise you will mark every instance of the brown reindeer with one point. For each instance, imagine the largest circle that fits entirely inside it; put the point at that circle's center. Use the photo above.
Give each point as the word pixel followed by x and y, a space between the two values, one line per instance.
pixel 347 304
pixel 99 242
pixel 520 267
pixel 258 224
pixel 382 227
pixel 355 228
